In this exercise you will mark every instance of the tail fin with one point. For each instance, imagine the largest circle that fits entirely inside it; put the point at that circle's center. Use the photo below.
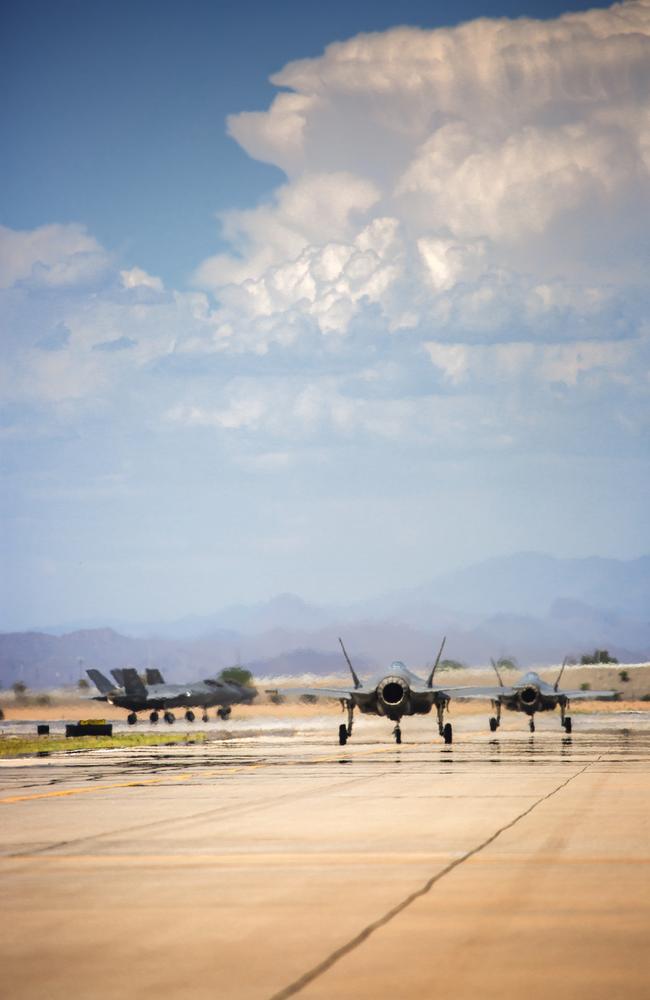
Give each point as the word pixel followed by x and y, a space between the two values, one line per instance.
pixel 154 676
pixel 119 677
pixel 102 683
pixel 559 676
pixel 435 665
pixel 132 683
pixel 496 670
pixel 357 682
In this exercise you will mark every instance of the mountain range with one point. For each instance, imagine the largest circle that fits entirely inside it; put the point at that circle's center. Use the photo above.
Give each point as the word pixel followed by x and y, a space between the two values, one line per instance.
pixel 534 607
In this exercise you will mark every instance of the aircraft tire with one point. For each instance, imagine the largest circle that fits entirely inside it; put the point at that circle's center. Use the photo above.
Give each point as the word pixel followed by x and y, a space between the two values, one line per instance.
pixel 447 732
pixel 153 717
pixel 205 717
pixel 190 716
pixel 494 725
pixel 170 718
pixel 343 734
pixel 531 724
pixel 567 724
pixel 132 718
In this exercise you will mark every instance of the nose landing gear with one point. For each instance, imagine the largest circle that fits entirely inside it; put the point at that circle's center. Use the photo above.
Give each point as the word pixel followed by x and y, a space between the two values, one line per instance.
pixel 397 733
pixel 169 717
pixel 189 715
pixel 531 724
pixel 153 717
pixel 132 718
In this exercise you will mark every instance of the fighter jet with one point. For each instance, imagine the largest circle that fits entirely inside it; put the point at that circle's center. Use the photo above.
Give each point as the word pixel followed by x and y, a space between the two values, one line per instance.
pixel 135 696
pixel 530 694
pixel 393 695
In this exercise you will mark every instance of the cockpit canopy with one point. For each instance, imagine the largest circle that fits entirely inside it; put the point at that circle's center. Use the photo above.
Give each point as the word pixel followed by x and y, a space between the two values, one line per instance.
pixel 397 665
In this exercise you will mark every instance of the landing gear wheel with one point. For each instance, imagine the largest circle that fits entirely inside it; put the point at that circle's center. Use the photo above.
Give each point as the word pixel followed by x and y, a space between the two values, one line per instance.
pixel 567 724
pixel 205 717
pixel 224 713
pixel 170 717
pixel 153 717
pixel 343 734
pixel 189 715
pixel 531 725
pixel 398 734
pixel 447 733
pixel 494 725
pixel 132 718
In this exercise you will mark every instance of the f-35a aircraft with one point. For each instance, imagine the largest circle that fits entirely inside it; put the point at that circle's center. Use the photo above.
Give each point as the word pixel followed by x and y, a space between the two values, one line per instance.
pixel 155 696
pixel 530 694
pixel 393 695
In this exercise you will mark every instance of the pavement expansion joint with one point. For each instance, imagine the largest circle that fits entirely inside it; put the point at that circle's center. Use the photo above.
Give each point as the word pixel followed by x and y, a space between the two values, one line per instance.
pixel 309 977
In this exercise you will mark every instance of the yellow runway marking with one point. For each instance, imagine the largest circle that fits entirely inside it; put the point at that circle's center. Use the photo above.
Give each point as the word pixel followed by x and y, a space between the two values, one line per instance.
pixel 137 783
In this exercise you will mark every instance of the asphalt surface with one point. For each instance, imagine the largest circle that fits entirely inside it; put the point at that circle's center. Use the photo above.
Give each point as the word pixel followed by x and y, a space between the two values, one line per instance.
pixel 277 864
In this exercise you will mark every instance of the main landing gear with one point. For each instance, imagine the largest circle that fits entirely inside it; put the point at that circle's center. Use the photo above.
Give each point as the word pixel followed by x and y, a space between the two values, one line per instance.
pixel 153 717
pixel 189 715
pixel 224 712
pixel 565 719
pixel 169 717
pixel 345 729
pixel 132 718
pixel 444 728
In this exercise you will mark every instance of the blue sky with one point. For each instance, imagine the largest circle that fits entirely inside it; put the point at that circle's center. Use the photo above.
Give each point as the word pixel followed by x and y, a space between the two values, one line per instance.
pixel 330 332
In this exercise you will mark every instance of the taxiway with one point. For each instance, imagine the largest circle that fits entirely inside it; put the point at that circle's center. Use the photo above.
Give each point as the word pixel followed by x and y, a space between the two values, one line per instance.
pixel 271 865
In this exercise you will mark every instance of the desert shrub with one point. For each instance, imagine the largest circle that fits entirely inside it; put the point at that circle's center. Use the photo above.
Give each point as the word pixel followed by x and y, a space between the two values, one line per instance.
pixel 236 675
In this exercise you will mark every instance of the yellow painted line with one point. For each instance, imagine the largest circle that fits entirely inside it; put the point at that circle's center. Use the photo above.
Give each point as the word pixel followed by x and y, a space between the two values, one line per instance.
pixel 63 792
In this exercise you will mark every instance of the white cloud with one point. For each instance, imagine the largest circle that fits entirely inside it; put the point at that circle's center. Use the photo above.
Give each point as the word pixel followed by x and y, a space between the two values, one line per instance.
pixel 504 162
pixel 137 278
pixel 52 255
pixel 559 363
pixel 462 212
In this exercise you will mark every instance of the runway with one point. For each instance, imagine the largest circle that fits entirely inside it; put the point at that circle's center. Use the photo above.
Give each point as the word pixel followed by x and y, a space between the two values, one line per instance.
pixel 268 866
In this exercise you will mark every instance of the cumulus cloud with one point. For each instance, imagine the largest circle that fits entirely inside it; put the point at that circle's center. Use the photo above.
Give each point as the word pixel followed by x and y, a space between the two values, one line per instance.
pixel 495 151
pixel 462 211
pixel 55 255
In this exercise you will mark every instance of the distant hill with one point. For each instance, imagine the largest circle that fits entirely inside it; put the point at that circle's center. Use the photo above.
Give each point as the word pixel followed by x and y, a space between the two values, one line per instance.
pixel 534 607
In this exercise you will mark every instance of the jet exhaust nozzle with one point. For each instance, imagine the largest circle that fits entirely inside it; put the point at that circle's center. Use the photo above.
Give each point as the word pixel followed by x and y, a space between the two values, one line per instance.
pixel 392 691
pixel 528 696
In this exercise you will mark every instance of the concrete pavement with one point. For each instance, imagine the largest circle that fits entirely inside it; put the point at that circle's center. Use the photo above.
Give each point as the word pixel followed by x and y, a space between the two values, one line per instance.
pixel 270 866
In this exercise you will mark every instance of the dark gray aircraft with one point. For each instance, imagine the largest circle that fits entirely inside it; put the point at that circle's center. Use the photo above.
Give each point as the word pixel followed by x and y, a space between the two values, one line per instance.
pixel 393 695
pixel 530 694
pixel 135 696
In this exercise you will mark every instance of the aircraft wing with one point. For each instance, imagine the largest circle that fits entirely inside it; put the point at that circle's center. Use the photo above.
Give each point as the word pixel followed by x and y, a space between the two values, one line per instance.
pixel 340 694
pixel 587 695
pixel 486 693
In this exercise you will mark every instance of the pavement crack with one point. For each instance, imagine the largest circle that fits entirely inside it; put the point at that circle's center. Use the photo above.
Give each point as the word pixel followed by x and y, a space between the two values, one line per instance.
pixel 308 977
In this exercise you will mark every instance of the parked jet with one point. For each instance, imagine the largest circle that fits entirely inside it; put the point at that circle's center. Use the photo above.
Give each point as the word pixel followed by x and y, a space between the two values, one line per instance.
pixel 530 694
pixel 135 696
pixel 393 695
